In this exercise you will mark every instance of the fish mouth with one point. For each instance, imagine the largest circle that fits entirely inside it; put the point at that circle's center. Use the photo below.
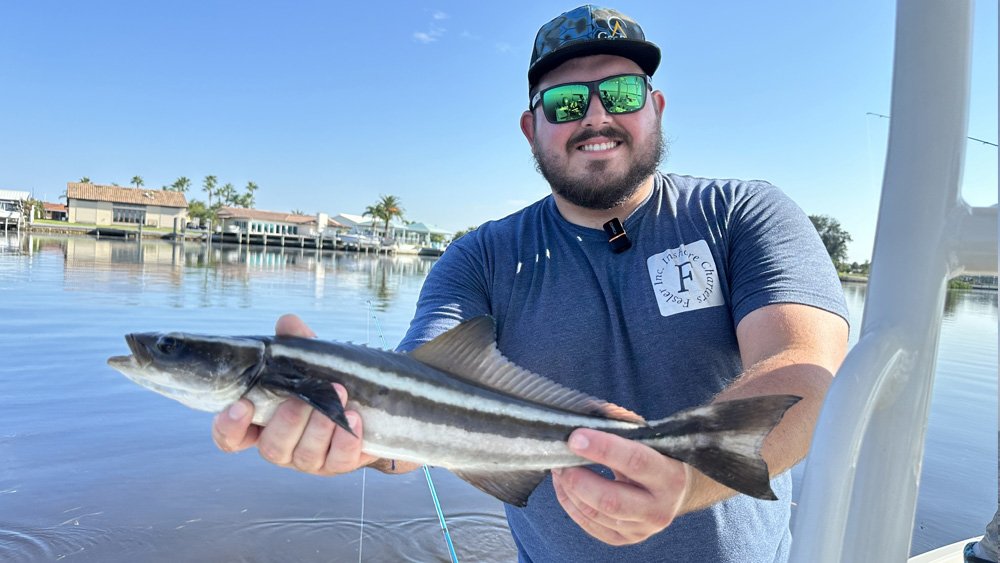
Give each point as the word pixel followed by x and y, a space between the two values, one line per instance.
pixel 141 357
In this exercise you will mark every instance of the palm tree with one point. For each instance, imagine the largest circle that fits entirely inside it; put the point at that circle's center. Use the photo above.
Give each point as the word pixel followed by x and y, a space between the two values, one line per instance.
pixel 391 208
pixel 209 186
pixel 297 211
pixel 229 195
pixel 376 211
pixel 386 209
pixel 181 185
pixel 137 180
pixel 85 180
pixel 249 200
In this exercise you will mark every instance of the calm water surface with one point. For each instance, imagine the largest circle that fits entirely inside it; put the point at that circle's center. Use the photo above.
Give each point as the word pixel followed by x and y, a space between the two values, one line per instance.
pixel 95 468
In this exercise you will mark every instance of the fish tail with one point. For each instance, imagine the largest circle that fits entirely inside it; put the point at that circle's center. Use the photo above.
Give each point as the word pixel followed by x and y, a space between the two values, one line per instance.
pixel 723 440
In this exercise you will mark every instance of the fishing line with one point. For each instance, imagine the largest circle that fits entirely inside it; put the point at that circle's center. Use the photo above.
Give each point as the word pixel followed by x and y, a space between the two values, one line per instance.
pixel 361 540
pixel 427 471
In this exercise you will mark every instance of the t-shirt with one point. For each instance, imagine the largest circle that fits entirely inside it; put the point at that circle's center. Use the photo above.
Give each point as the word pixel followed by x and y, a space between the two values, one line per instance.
pixel 652 329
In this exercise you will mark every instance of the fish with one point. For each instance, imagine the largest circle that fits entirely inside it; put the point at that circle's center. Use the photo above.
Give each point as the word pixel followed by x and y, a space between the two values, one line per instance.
pixel 454 402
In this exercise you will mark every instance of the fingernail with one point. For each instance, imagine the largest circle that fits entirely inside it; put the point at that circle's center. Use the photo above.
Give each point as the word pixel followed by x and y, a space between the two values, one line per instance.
pixel 578 442
pixel 237 411
pixel 352 420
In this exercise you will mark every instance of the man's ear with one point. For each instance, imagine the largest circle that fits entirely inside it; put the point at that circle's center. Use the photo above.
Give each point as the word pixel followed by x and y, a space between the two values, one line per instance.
pixel 660 100
pixel 528 127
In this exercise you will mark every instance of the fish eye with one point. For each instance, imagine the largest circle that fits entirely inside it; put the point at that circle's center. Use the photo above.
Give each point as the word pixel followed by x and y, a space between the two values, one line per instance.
pixel 167 344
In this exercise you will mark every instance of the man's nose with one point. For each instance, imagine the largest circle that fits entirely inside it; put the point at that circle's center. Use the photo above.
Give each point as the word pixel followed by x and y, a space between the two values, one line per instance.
pixel 596 115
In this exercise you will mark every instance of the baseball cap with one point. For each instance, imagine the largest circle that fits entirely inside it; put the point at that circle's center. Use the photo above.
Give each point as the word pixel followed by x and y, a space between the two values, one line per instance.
pixel 590 30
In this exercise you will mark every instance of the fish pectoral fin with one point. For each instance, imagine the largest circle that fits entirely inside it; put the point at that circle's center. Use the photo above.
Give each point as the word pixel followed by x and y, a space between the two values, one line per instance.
pixel 323 397
pixel 512 487
pixel 319 393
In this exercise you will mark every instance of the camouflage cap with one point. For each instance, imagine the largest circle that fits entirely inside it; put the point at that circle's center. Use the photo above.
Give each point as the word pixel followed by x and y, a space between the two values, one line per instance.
pixel 590 30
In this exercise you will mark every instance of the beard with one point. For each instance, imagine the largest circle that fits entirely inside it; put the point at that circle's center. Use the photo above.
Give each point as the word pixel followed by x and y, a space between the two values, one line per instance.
pixel 597 187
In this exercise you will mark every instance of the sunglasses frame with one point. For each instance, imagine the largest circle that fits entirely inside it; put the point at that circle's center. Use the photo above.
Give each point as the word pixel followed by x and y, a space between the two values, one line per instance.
pixel 592 89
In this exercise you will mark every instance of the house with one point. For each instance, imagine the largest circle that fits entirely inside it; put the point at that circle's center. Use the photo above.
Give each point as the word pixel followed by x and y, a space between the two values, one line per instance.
pixel 114 205
pixel 403 233
pixel 421 233
pixel 255 221
pixel 11 203
pixel 367 225
pixel 54 211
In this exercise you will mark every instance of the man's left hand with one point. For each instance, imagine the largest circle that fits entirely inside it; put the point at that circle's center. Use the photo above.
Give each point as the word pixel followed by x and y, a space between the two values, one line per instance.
pixel 645 497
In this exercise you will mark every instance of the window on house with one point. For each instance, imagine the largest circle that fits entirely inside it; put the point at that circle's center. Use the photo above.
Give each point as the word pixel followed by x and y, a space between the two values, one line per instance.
pixel 134 215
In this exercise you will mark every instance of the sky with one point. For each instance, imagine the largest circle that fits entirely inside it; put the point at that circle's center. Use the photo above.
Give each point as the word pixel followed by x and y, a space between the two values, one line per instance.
pixel 327 107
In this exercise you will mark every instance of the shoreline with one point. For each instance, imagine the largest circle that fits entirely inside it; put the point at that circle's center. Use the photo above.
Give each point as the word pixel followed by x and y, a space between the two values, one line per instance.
pixel 204 237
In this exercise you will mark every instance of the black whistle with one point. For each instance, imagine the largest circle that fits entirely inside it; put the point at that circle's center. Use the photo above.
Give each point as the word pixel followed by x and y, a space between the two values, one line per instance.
pixel 616 236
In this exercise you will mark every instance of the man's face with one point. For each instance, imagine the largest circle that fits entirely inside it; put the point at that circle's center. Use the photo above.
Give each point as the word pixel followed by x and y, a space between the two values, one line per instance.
pixel 597 162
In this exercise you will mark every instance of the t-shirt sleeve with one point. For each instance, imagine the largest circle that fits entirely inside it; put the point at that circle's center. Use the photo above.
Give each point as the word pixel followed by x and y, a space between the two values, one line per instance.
pixel 776 256
pixel 455 290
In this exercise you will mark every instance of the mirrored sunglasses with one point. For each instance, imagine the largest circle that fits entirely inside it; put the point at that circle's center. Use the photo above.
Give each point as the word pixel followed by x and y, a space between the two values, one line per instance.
pixel 624 93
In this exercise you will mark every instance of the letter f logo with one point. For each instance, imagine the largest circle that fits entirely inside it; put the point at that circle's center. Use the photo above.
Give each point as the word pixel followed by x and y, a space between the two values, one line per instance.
pixel 681 269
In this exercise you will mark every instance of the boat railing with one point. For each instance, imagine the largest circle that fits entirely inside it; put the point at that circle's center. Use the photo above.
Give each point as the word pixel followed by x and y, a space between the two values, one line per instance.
pixel 862 475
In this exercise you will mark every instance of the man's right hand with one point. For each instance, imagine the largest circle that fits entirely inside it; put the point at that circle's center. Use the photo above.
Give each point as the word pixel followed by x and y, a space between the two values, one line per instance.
pixel 297 436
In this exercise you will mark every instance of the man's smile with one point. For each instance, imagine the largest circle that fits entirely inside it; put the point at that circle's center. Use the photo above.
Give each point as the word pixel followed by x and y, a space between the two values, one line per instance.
pixel 595 147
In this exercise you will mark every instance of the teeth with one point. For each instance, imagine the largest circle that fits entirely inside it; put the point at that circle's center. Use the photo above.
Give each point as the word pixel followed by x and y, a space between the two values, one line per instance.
pixel 601 147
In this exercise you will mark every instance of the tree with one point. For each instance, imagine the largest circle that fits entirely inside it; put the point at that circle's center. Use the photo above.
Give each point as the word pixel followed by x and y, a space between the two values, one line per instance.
pixel 227 194
pixel 198 210
pixel 85 180
pixel 209 186
pixel 181 185
pixel 249 199
pixel 834 237
pixel 138 181
pixel 297 211
pixel 387 208
pixel 32 208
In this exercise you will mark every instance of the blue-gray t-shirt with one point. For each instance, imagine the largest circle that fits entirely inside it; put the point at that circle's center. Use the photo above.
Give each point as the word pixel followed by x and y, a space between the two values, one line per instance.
pixel 652 329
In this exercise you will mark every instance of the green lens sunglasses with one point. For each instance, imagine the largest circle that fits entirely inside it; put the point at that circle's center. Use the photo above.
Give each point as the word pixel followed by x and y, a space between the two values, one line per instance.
pixel 624 93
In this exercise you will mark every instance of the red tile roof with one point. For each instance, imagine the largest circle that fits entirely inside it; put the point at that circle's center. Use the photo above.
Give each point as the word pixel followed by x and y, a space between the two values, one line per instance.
pixel 116 194
pixel 54 206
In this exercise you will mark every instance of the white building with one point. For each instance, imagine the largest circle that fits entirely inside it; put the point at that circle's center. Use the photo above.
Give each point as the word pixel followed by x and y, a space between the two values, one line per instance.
pixel 11 203
pixel 255 221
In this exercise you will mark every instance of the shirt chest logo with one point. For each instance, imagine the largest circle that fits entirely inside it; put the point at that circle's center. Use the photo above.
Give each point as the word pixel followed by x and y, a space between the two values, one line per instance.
pixel 685 279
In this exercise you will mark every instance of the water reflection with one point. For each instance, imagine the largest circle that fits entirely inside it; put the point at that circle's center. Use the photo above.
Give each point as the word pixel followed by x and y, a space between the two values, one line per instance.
pixel 201 269
pixel 960 301
pixel 957 302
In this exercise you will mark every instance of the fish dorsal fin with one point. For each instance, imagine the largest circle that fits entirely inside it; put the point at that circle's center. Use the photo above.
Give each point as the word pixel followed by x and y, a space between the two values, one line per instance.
pixel 469 351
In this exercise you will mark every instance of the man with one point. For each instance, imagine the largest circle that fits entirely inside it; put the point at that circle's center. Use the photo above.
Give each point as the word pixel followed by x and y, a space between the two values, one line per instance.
pixel 723 291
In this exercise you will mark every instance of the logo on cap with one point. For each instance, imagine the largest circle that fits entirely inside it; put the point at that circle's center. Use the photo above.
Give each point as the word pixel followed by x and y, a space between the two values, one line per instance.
pixel 617 30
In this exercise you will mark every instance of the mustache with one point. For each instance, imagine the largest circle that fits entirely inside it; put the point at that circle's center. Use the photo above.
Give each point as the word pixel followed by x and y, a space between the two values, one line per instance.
pixel 607 132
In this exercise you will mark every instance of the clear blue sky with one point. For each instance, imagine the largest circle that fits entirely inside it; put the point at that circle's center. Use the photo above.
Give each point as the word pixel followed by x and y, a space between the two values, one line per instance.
pixel 326 107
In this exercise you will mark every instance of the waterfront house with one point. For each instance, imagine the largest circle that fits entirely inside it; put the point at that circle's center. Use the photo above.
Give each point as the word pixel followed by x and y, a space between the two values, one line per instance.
pixel 355 223
pixel 54 211
pixel 255 221
pixel 114 205
pixel 412 233
pixel 11 203
pixel 421 233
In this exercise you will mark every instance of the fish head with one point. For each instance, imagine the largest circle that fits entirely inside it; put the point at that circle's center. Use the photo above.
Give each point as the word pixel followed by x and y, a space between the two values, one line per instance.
pixel 203 372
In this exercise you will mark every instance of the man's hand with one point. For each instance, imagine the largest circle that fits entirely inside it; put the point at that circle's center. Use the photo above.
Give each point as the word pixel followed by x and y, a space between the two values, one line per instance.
pixel 647 493
pixel 297 436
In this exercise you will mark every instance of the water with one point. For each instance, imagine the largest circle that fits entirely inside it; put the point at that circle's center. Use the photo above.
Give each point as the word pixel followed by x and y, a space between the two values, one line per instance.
pixel 95 468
